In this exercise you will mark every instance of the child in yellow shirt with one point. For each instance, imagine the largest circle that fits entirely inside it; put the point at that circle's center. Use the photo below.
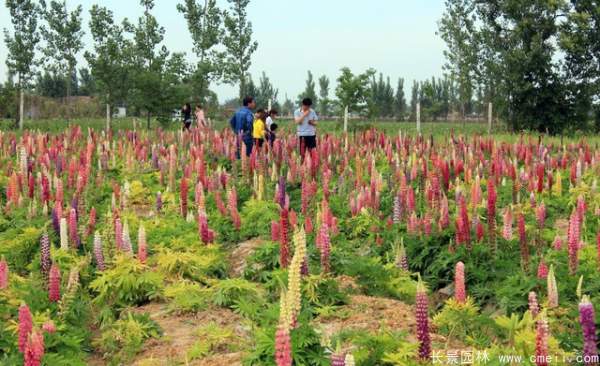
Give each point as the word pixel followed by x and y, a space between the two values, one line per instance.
pixel 258 128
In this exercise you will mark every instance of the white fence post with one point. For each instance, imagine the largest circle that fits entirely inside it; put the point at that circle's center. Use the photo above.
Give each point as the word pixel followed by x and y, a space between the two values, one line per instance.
pixel 346 119
pixel 490 118
pixel 418 118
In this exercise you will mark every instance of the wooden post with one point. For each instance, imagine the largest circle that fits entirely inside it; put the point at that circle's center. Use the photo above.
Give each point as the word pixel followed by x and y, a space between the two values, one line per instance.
pixel 107 116
pixel 419 118
pixel 489 117
pixel 346 119
pixel 269 106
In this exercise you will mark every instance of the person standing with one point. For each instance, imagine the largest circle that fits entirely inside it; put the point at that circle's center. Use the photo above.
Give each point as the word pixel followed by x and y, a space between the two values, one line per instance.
pixel 241 124
pixel 186 113
pixel 200 120
pixel 258 128
pixel 306 122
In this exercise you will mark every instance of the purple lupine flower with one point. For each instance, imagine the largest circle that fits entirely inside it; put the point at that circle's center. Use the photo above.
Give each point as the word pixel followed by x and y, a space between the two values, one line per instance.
pixel 421 309
pixel 281 195
pixel 588 326
pixel 45 261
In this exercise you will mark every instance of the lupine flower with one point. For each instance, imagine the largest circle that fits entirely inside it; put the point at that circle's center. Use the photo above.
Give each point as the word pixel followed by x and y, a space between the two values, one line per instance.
pixel 98 253
pixel 401 257
pixel 64 237
pixel 534 308
pixel 183 196
pixel 142 249
pixel 459 283
pixel 338 359
pixel 73 228
pixel 49 327
pixel 92 221
pixel 421 309
pixel 557 243
pixel 397 210
pixel 542 271
pixel 491 212
pixel 324 247
pixel 574 235
pixel 294 272
pixel 552 289
pixel 126 242
pixel 523 242
pixel 45 261
pixel 540 214
pixel 34 350
pixel 507 219
pixel 444 215
pixel 349 361
pixel 587 320
pixel 54 283
pixel 25 326
pixel 3 274
pixel 118 234
pixel 283 238
pixel 541 342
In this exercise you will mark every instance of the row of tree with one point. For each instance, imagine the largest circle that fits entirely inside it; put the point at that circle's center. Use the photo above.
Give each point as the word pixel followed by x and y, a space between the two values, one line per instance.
pixel 128 62
pixel 537 61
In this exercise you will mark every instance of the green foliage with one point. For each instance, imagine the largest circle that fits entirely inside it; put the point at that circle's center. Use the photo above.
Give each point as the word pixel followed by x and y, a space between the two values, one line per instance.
pixel 191 264
pixel 322 291
pixel 256 218
pixel 229 291
pixel 129 282
pixel 353 90
pixel 385 347
pixel 262 261
pixel 187 297
pixel 121 340
pixel 19 246
pixel 463 322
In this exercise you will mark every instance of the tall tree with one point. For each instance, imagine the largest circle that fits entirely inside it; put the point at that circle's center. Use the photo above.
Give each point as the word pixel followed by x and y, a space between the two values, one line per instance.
pixel 265 92
pixel 238 43
pixel 287 108
pixel 309 91
pixel 205 25
pixel 148 61
pixel 324 101
pixel 21 44
pixel 87 84
pixel 400 101
pixel 108 60
pixel 457 29
pixel 352 90
pixel 63 36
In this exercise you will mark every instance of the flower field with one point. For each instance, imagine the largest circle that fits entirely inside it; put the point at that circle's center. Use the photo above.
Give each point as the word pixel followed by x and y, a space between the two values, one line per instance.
pixel 137 247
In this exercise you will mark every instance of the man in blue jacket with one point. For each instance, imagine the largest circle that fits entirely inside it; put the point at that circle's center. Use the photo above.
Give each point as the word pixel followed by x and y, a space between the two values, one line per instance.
pixel 241 124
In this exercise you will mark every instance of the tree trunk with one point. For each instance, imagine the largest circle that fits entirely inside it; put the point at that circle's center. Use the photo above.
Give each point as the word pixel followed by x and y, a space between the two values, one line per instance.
pixel 21 106
pixel 108 116
pixel 69 75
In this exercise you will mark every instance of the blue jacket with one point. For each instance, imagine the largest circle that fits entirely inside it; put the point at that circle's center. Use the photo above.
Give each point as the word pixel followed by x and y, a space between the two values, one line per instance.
pixel 242 121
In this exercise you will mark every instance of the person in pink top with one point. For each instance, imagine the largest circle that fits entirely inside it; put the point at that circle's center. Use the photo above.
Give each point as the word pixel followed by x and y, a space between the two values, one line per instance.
pixel 200 120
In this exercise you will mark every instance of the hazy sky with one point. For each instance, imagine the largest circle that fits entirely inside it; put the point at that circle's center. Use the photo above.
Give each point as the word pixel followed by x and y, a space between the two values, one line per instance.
pixel 396 37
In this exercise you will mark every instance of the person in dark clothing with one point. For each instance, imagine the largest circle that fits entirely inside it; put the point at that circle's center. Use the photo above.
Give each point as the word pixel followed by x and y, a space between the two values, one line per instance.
pixel 242 125
pixel 272 134
pixel 186 113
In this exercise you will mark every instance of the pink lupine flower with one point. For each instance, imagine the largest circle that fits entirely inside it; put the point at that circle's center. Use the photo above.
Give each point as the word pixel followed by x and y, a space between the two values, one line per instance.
pixel 275 231
pixel 421 309
pixel 283 347
pixel 542 271
pixel 540 214
pixel 54 283
pixel 118 233
pixel 587 320
pixel 573 244
pixel 491 212
pixel 92 221
pixel 3 274
pixel 534 308
pixel 283 238
pixel 49 327
pixel 557 243
pixel 308 225
pixel 523 241
pixel 444 215
pixel 324 248
pixel 142 248
pixel 507 219
pixel 541 342
pixel 98 253
pixel 459 283
pixel 34 349
pixel 183 197
pixel 73 228
pixel 25 326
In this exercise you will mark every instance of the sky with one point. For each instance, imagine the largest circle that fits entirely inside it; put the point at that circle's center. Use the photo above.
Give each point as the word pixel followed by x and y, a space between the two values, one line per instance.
pixel 395 37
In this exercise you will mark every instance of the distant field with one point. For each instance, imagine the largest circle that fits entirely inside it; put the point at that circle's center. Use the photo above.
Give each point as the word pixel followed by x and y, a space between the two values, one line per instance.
pixel 438 129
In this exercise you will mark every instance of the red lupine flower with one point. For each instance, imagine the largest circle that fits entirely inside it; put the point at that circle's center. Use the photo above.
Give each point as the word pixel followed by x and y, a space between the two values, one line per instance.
pixel 3 274
pixel 183 197
pixel 49 327
pixel 275 232
pixel 541 342
pixel 491 212
pixel 283 238
pixel 540 214
pixel 459 283
pixel 92 221
pixel 54 283
pixel 25 326
pixel 308 225
pixel 421 309
pixel 574 235
pixel 325 248
pixel 542 272
pixel 34 350
pixel 73 228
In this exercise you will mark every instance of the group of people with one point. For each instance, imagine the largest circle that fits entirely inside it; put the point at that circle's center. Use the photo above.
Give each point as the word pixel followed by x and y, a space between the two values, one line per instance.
pixel 186 114
pixel 253 129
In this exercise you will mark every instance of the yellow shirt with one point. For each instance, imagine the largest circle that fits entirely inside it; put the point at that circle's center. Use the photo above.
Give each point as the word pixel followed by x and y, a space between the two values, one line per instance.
pixel 258 129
